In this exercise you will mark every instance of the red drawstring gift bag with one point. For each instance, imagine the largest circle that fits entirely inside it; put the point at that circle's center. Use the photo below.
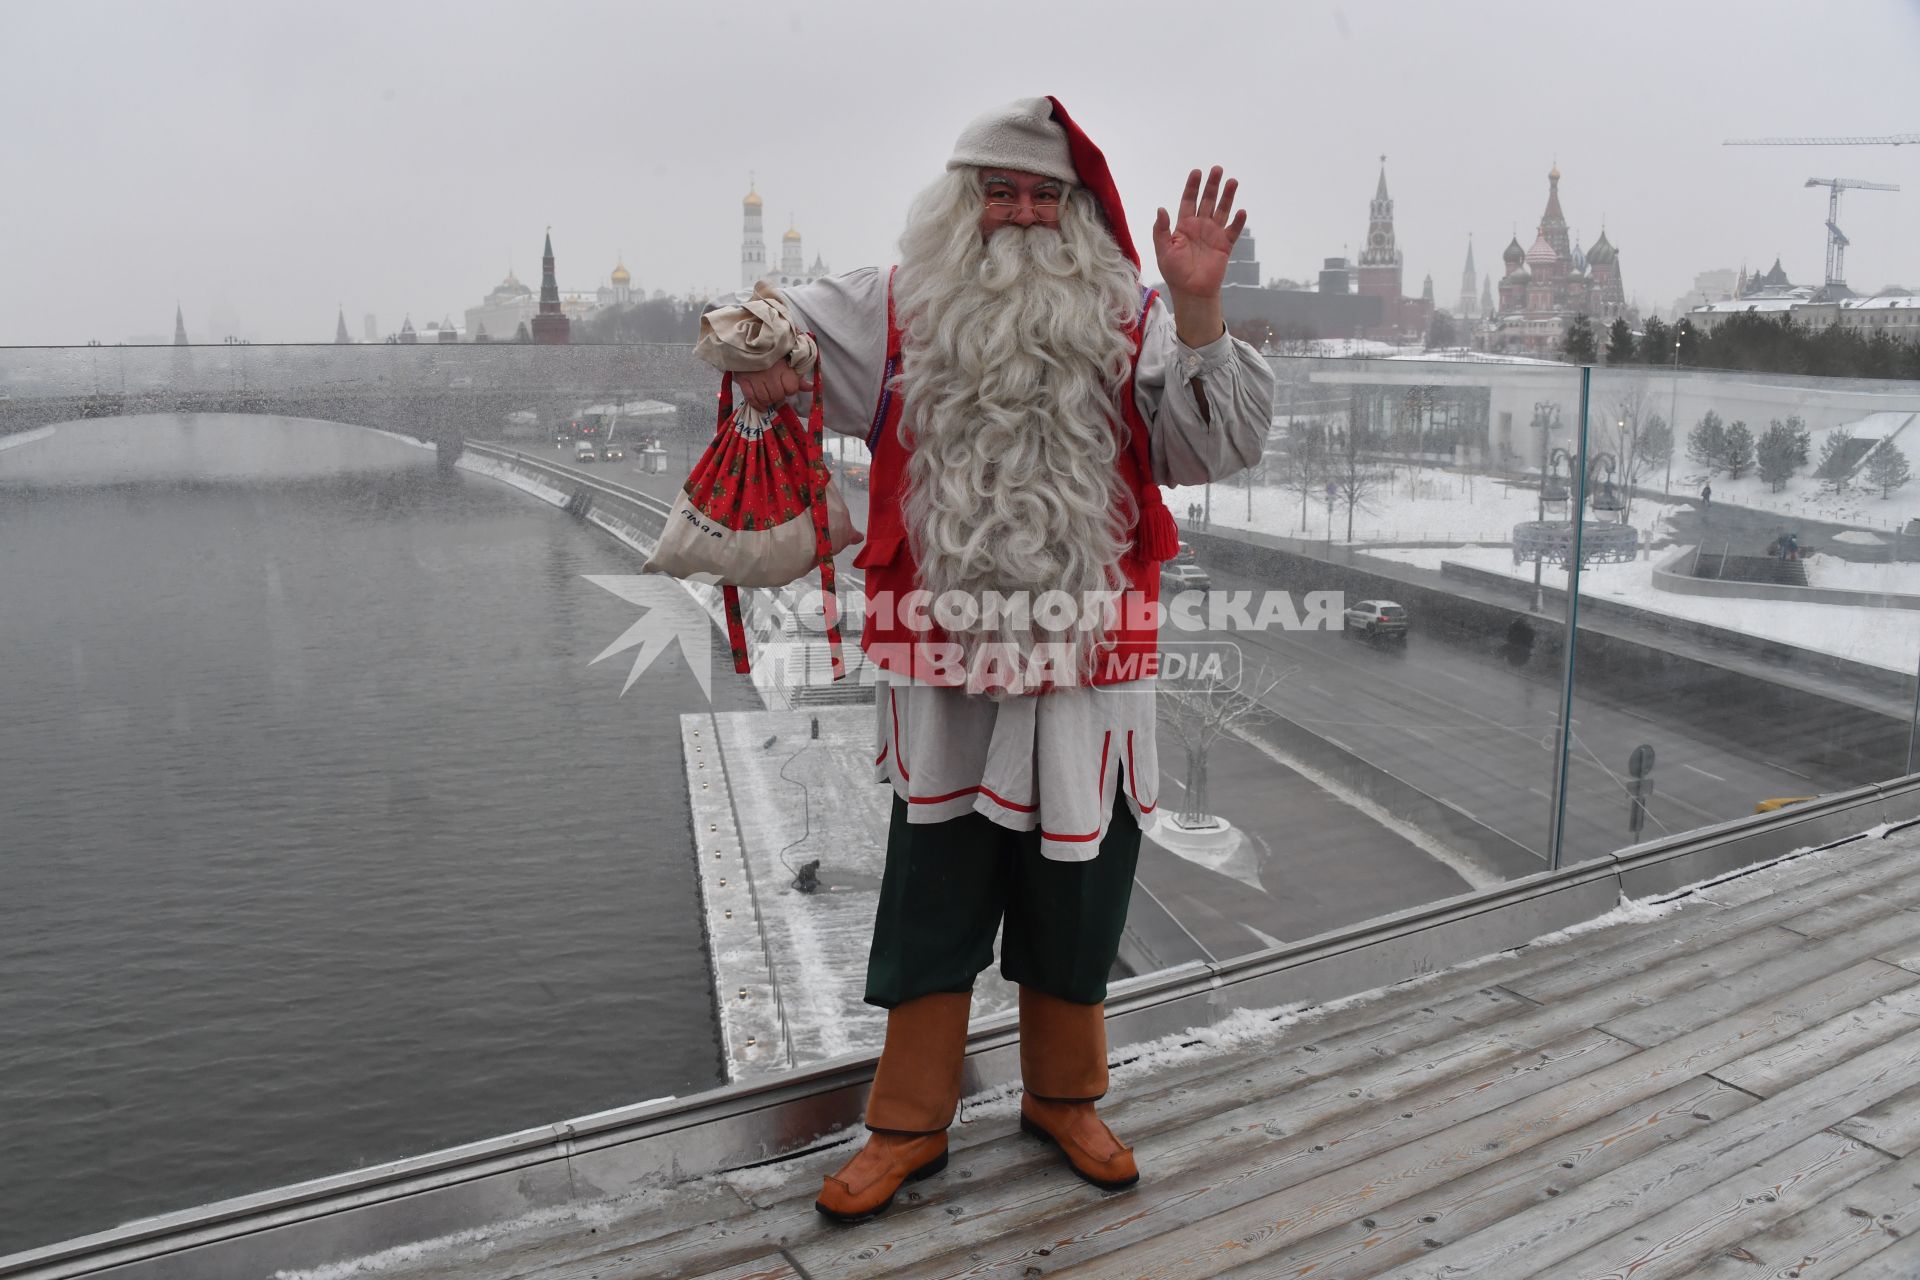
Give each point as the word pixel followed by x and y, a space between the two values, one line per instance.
pixel 759 510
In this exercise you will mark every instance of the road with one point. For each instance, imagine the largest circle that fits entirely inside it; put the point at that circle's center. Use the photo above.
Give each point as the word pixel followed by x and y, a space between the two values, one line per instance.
pixel 1468 729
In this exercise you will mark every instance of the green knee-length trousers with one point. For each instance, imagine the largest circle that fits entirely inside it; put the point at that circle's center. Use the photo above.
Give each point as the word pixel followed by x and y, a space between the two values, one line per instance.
pixel 949 885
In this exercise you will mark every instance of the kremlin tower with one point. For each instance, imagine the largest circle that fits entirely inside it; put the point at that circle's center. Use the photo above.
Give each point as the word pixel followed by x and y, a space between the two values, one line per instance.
pixel 1380 263
pixel 753 248
pixel 550 327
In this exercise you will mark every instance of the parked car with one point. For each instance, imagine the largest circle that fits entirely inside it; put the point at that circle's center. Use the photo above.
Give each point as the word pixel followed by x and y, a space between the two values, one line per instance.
pixel 1378 618
pixel 1176 577
pixel 584 451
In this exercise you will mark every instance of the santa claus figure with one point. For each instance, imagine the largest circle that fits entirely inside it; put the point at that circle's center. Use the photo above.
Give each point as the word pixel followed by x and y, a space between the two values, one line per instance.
pixel 1024 398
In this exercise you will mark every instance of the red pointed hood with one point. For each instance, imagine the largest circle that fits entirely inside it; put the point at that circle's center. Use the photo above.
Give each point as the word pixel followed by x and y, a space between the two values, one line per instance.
pixel 1090 164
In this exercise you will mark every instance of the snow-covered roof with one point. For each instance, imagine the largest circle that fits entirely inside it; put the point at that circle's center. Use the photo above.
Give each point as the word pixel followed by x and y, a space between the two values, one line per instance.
pixel 1737 305
pixel 1880 304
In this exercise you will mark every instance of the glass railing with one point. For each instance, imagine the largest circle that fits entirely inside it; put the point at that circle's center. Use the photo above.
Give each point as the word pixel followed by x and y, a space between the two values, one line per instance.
pixel 361 797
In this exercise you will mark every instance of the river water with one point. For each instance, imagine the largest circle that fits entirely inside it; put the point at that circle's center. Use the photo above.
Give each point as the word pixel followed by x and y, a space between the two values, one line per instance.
pixel 321 841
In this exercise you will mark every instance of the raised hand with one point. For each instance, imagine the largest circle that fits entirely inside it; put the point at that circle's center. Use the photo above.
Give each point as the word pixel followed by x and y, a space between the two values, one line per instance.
pixel 1193 250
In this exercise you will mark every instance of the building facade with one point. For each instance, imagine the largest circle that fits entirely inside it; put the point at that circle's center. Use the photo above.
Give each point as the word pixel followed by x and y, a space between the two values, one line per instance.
pixel 1546 286
pixel 502 312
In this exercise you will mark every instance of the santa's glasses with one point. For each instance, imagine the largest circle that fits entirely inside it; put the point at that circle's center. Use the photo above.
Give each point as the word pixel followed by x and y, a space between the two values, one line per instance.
pixel 1045 208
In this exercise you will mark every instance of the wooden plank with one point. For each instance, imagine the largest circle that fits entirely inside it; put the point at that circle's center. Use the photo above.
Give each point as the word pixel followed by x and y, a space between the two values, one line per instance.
pixel 989 1151
pixel 624 1223
pixel 1824 922
pixel 1799 962
pixel 1802 869
pixel 1401 1020
pixel 1893 1126
pixel 1898 1261
pixel 773 1266
pixel 1376 1057
pixel 1389 1235
pixel 1705 927
pixel 1767 1071
pixel 1610 1204
pixel 1907 958
pixel 1226 1235
pixel 1846 1229
pixel 1675 1241
pixel 1264 1144
pixel 1789 910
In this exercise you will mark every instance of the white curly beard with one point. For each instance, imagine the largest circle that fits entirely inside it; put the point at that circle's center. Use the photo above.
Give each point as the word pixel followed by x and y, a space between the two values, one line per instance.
pixel 1015 355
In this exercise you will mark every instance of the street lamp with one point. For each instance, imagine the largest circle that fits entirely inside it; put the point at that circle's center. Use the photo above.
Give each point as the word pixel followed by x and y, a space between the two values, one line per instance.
pixel 1673 412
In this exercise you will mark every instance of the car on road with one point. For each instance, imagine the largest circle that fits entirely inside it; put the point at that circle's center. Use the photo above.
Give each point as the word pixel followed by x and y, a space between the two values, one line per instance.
pixel 1185 555
pixel 611 453
pixel 1176 577
pixel 584 451
pixel 854 473
pixel 1374 618
pixel 562 438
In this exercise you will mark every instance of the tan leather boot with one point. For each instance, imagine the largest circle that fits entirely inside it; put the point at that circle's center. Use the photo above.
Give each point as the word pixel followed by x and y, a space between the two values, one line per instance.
pixel 916 1089
pixel 1063 1068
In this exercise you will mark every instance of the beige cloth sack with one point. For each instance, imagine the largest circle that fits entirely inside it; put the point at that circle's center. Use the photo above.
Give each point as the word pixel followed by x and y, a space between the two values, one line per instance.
pixel 754 336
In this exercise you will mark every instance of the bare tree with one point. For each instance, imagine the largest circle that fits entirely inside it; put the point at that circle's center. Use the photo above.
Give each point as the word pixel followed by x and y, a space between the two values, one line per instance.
pixel 1625 436
pixel 1303 468
pixel 1354 480
pixel 1197 716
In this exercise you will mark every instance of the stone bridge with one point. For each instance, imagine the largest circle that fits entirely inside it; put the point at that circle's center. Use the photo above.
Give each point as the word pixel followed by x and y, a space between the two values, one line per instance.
pixel 443 393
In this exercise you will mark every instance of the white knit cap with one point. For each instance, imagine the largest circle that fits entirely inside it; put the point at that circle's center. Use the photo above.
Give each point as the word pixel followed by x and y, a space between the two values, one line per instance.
pixel 1022 136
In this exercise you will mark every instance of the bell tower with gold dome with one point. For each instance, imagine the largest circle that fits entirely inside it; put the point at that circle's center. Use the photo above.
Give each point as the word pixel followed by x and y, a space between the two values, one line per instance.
pixel 792 261
pixel 753 245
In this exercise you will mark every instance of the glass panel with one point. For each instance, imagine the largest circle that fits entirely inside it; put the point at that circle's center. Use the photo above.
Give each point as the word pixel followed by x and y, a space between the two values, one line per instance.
pixel 1762 644
pixel 324 840
pixel 1399 749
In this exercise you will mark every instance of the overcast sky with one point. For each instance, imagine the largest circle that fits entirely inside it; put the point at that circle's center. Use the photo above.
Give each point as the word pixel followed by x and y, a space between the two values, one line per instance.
pixel 263 162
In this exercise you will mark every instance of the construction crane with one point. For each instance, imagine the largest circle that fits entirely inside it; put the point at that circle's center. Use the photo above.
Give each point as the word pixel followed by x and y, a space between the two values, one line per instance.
pixel 1885 140
pixel 1836 241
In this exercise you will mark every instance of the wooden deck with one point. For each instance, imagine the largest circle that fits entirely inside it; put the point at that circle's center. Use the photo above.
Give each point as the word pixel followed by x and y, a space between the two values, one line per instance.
pixel 1732 1089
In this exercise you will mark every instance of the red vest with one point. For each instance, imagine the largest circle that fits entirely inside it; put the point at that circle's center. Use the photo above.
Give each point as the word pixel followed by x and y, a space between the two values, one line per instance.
pixel 901 638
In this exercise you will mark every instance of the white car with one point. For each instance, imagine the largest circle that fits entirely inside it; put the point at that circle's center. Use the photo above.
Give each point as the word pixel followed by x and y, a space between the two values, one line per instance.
pixel 1176 577
pixel 583 451
pixel 1378 618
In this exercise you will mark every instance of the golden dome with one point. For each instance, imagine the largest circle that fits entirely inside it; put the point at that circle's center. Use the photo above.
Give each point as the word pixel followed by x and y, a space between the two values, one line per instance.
pixel 621 275
pixel 753 199
pixel 791 237
pixel 1555 174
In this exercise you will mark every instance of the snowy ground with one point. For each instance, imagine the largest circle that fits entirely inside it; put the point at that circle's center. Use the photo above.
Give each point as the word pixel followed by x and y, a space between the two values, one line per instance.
pixel 1433 506
pixel 19 438
pixel 1902 578
pixel 1887 638
pixel 1806 498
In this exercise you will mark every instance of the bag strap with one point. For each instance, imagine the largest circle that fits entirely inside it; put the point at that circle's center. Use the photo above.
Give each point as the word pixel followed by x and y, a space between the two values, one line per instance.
pixel 822 534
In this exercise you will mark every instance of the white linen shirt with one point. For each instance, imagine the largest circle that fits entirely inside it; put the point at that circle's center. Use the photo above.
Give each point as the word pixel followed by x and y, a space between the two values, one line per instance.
pixel 1052 760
